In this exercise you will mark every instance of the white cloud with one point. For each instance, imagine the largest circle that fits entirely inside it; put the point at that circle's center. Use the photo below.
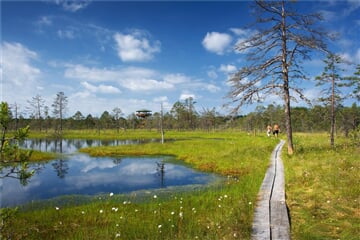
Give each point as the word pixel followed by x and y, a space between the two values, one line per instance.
pixel 176 78
pixel 161 99
pixel 212 88
pixel 228 69
pixel 146 84
pixel 240 31
pixel 135 47
pixel 216 42
pixel 90 74
pixel 101 88
pixel 16 64
pixel 132 78
pixel 186 95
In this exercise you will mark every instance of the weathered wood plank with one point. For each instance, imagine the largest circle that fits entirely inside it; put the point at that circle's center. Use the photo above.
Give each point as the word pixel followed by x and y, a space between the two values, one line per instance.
pixel 279 219
pixel 271 220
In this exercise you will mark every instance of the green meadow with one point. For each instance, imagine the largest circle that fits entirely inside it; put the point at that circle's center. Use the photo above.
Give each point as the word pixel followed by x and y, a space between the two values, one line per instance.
pixel 321 185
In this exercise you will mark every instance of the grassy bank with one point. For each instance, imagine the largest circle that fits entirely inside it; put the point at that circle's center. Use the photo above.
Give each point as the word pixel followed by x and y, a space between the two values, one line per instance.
pixel 223 212
pixel 322 186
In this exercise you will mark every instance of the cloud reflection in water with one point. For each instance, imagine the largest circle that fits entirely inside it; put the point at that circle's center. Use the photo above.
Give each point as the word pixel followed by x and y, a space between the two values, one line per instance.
pixel 90 176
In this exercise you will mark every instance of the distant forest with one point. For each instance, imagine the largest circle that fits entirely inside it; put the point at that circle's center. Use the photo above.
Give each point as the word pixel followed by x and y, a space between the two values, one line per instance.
pixel 185 116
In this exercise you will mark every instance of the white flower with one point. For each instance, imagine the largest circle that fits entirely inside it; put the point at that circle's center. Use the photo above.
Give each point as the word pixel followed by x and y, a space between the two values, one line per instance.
pixel 159 226
pixel 172 213
pixel 57 208
pixel 117 235
pixel 111 194
pixel 101 211
pixel 155 196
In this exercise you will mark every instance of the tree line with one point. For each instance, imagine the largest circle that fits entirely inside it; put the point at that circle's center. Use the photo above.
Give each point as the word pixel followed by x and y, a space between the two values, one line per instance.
pixel 184 115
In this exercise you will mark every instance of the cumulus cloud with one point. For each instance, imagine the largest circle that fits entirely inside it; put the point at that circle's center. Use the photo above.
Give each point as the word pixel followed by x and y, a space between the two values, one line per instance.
pixel 132 78
pixel 135 47
pixel 216 42
pixel 17 64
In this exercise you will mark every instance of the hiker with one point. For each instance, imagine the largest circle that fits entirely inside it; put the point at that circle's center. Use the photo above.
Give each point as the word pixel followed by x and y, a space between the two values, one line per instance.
pixel 276 130
pixel 268 130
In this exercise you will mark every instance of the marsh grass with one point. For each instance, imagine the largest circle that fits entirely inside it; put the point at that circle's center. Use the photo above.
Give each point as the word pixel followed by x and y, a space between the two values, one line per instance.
pixel 322 185
pixel 217 212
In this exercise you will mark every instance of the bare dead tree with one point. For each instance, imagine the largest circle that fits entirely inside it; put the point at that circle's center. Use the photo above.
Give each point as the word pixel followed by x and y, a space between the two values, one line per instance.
pixel 36 108
pixel 281 39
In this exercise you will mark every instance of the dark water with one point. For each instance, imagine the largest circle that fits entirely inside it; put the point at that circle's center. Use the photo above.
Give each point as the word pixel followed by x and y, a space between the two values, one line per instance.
pixel 76 173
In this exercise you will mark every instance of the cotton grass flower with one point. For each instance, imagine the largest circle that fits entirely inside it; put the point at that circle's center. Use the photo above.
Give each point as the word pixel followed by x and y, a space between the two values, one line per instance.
pixel 111 194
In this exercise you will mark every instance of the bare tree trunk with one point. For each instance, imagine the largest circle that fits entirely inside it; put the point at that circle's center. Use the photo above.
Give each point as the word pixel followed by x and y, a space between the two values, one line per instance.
pixel 285 74
pixel 288 122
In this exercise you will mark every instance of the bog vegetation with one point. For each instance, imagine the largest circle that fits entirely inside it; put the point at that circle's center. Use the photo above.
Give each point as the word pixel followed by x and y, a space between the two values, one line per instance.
pixel 321 177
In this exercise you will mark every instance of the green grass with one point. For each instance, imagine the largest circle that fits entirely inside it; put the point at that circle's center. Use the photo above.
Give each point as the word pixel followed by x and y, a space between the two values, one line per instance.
pixel 322 186
pixel 219 212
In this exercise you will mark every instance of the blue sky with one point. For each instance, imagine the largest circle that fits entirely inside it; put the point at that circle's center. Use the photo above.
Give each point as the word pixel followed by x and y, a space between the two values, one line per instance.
pixel 136 55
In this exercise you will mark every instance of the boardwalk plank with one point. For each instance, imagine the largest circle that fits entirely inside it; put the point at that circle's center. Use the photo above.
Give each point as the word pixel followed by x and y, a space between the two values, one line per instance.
pixel 271 220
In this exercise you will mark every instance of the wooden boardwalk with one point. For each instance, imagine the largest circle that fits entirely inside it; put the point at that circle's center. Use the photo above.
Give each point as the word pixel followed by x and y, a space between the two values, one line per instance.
pixel 271 219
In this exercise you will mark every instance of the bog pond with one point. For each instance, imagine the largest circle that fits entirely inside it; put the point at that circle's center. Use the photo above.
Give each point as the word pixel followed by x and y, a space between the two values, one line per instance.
pixel 77 173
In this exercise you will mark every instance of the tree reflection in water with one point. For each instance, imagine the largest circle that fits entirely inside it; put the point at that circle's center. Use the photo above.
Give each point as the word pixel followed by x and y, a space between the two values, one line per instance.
pixel 161 172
